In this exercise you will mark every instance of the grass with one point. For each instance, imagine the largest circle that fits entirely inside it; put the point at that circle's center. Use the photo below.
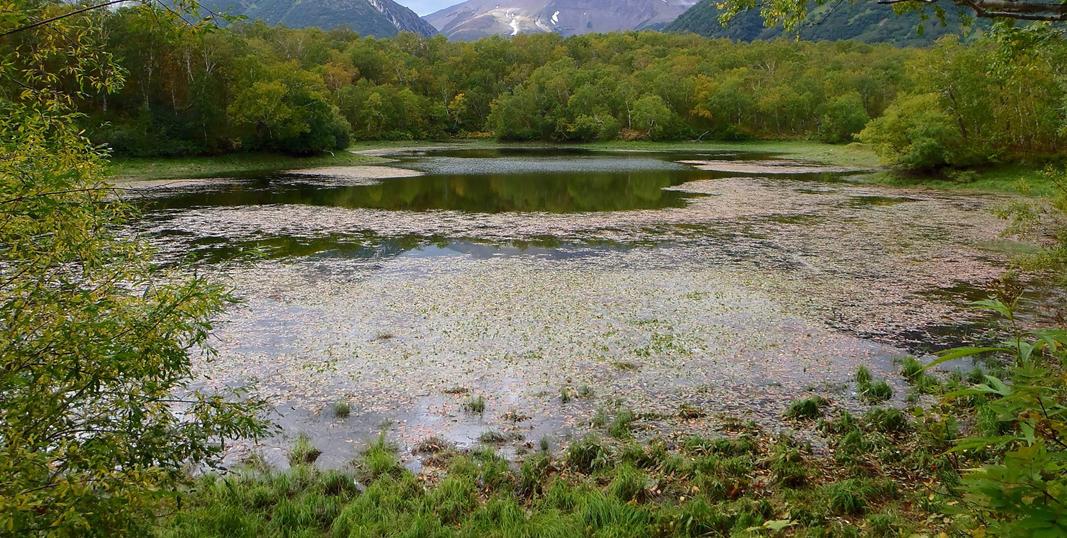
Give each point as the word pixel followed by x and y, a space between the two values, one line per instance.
pixel 1028 180
pixel 880 474
pixel 493 437
pixel 566 394
pixel 886 420
pixel 876 392
pixel 474 405
pixel 622 424
pixel 871 390
pixel 912 369
pixel 863 376
pixel 342 409
pixel 303 452
pixel 843 155
pixel 149 168
pixel 699 487
pixel 806 409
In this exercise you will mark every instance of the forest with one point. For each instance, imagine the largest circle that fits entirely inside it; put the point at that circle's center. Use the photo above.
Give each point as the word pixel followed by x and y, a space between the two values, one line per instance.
pixel 252 87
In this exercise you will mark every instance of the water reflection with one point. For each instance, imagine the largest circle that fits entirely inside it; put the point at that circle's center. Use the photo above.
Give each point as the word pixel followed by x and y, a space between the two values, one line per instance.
pixel 211 250
pixel 554 192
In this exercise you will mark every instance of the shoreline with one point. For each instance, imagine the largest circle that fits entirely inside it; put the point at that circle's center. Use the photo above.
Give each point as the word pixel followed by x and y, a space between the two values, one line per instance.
pixel 1027 180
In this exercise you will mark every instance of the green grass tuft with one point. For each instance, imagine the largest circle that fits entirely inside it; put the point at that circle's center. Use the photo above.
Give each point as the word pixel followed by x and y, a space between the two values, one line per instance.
pixel 379 460
pixel 342 409
pixel 876 392
pixel 629 483
pixel 863 376
pixel 806 409
pixel 303 452
pixel 887 420
pixel 475 405
pixel 588 455
pixel 912 369
pixel 622 424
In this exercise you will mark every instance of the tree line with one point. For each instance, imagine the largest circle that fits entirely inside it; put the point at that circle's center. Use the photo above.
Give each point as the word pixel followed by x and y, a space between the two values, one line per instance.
pixel 257 87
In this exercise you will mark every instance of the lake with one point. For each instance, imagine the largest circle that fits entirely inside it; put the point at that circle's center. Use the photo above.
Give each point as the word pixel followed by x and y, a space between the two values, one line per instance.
pixel 686 286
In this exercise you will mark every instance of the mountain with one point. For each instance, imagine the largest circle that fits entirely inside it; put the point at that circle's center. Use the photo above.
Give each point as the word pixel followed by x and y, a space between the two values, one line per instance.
pixel 380 18
pixel 474 19
pixel 862 21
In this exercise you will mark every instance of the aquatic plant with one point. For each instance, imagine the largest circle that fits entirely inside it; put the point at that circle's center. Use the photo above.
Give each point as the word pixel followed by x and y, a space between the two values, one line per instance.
pixel 474 405
pixel 342 409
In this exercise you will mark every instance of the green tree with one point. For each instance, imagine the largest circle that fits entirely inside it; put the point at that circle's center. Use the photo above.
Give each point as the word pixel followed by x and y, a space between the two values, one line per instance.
pixel 288 110
pixel 844 117
pixel 651 116
pixel 97 418
pixel 916 134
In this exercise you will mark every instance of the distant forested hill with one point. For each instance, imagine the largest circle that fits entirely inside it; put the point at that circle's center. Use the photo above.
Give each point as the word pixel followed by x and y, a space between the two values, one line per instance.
pixel 861 20
pixel 379 18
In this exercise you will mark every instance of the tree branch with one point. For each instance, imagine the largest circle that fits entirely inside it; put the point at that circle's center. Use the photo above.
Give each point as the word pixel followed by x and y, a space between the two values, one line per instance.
pixel 1010 9
pixel 50 20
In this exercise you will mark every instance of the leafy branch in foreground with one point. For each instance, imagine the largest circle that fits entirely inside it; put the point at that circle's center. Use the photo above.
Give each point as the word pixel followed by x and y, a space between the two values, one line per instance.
pixel 791 13
pixel 97 420
pixel 1022 489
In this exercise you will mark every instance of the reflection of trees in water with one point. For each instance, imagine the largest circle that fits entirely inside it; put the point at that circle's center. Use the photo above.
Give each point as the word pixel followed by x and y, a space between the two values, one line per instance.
pixel 212 250
pixel 547 192
pixel 520 192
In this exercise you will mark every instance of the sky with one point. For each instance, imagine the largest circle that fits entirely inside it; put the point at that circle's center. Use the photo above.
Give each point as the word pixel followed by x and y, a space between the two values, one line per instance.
pixel 425 7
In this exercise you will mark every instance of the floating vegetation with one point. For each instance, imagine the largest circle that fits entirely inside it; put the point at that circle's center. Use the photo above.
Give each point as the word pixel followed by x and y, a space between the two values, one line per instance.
pixel 718 302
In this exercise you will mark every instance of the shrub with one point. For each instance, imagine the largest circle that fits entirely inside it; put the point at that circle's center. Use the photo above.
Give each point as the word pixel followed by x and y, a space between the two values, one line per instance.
pixel 1019 490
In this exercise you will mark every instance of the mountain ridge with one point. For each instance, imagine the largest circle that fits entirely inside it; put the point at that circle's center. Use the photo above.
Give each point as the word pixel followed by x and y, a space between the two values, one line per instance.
pixel 860 21
pixel 379 18
pixel 475 19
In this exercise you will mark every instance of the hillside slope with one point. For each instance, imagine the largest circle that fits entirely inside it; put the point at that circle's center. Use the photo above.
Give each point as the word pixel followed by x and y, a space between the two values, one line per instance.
pixel 380 18
pixel 862 21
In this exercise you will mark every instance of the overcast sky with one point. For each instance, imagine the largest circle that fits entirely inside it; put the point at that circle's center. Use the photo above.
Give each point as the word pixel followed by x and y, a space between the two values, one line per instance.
pixel 425 7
